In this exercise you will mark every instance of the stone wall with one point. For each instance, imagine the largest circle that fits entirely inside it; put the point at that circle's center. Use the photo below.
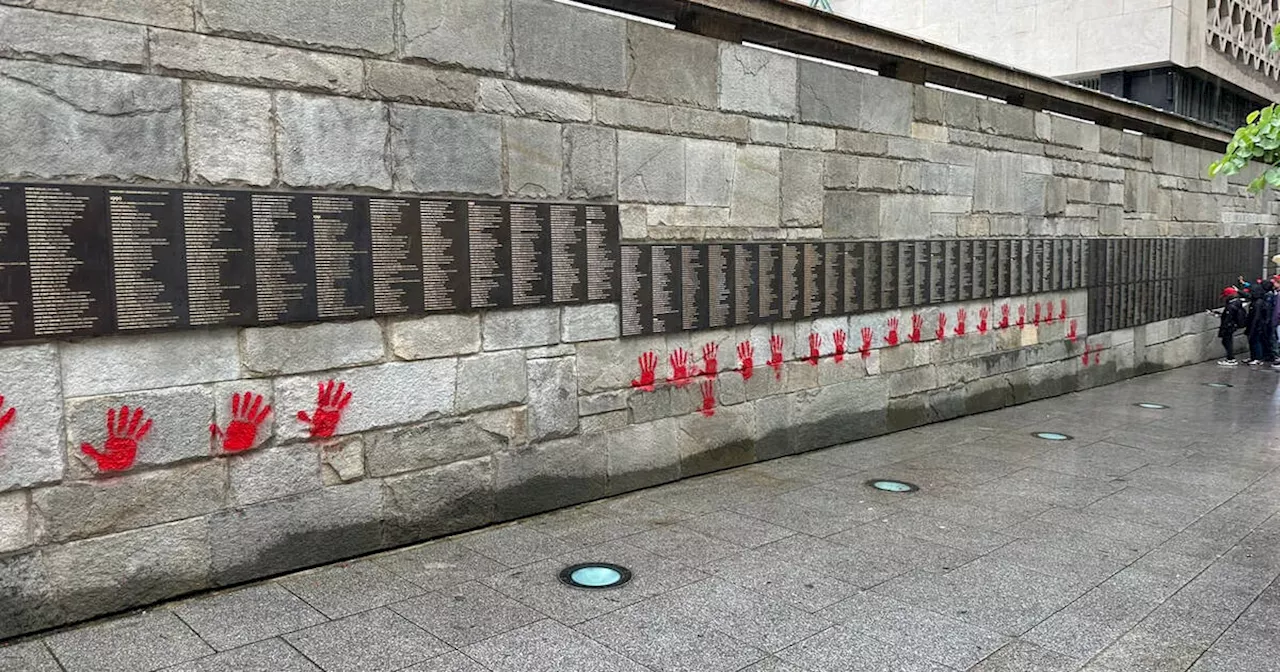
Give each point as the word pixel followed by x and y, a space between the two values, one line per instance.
pixel 458 421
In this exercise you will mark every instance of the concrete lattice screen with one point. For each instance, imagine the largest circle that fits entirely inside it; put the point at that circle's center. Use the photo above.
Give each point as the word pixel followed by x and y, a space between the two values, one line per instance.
pixel 458 421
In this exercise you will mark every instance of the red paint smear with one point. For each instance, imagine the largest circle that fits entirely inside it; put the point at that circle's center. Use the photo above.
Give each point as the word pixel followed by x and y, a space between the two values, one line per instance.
pixel 892 337
pixel 679 368
pixel 775 355
pixel 708 398
pixel 648 364
pixel 329 405
pixel 246 418
pixel 123 434
pixel 746 359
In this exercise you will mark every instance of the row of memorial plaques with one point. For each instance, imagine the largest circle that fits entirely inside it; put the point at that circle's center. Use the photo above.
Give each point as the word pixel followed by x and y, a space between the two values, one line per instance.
pixel 676 287
pixel 87 260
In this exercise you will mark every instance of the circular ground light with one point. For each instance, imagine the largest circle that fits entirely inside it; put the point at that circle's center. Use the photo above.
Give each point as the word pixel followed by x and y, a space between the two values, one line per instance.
pixel 1219 385
pixel 1052 436
pixel 892 486
pixel 595 575
pixel 1147 404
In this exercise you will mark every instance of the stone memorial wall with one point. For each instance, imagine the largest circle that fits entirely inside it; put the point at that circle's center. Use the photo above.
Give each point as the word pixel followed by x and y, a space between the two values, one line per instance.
pixel 289 282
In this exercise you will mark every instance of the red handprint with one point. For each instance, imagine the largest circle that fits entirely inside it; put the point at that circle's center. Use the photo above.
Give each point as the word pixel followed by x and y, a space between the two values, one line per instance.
pixel 708 398
pixel 329 405
pixel 892 337
pixel 917 321
pixel 815 347
pixel 710 355
pixel 1071 332
pixel 746 357
pixel 865 350
pixel 8 416
pixel 1004 316
pixel 941 333
pixel 839 339
pixel 679 368
pixel 1063 314
pixel 1036 319
pixel 1022 316
pixel 982 320
pixel 961 316
pixel 775 355
pixel 242 431
pixel 648 364
pixel 123 436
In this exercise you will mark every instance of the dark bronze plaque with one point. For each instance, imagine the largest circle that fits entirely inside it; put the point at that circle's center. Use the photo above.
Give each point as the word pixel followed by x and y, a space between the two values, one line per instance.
pixel 889 275
pixel 15 276
pixel 833 263
pixel 489 256
pixel 852 277
pixel 344 276
pixel 811 291
pixel 937 272
pixel 637 291
pixel 69 257
pixel 693 287
pixel 665 274
pixel 395 236
pixel 284 259
pixel 769 267
pixel 147 259
pixel 218 234
pixel 603 234
pixel 871 277
pixel 792 281
pixel 746 288
pixel 719 302
pixel 446 260
pixel 530 250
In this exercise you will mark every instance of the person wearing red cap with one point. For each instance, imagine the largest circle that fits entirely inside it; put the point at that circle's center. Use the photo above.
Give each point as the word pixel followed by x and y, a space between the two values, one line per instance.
pixel 1231 318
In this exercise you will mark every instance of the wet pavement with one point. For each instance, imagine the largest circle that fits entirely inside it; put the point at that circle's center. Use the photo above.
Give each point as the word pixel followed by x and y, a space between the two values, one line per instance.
pixel 1148 541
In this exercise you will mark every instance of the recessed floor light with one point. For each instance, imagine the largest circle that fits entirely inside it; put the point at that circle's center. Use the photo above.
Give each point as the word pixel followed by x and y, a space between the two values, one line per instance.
pixel 1052 436
pixel 1147 404
pixel 595 575
pixel 892 486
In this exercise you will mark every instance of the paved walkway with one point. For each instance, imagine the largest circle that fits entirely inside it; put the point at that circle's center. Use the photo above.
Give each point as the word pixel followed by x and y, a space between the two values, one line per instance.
pixel 1151 541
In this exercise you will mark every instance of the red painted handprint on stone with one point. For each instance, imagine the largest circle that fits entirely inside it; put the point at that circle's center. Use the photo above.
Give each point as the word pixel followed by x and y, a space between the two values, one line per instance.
pixel 892 337
pixel 648 365
pixel 708 398
pixel 330 401
pixel 124 431
pixel 839 339
pixel 1071 332
pixel 961 316
pixel 746 359
pixel 865 350
pixel 710 359
pixel 815 347
pixel 775 355
pixel 1022 316
pixel 679 367
pixel 1004 316
pixel 1062 313
pixel 982 320
pixel 917 322
pixel 247 415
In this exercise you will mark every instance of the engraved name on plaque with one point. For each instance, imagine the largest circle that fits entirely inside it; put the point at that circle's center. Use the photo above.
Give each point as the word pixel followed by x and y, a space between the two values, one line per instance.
pixel 395 236
pixel 284 263
pixel 530 247
pixel 719 260
pixel 217 230
pixel 665 274
pixel 489 257
pixel 340 225
pixel 69 260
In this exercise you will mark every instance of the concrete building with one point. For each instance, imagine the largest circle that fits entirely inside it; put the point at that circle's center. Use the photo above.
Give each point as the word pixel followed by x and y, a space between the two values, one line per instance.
pixel 1206 59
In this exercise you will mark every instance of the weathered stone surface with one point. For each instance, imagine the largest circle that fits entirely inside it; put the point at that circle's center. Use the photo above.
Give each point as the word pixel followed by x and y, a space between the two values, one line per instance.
pixel 181 417
pixel 650 168
pixel 163 13
pixel 448 499
pixel 361 25
pixel 644 455
pixel 671 66
pixel 73 121
pixel 466 150
pixel 802 176
pixel 544 476
pixel 887 105
pixel 86 509
pixel 830 95
pixel 491 380
pixel 332 142
pixel 27 33
pixel 329 345
pixel 246 62
pixel 412 83
pixel 301 531
pixel 757 81
pixel 528 100
pixel 430 445
pixel 593 322
pixel 709 167
pixel 533 151
pixel 31 445
pixel 435 336
pixel 523 328
pixel 127 363
pixel 15 523
pixel 469 33
pixel 553 398
pixel 849 214
pixel 559 43
pixel 398 393
pixel 591 161
pixel 229 135
pixel 756 187
pixel 259 475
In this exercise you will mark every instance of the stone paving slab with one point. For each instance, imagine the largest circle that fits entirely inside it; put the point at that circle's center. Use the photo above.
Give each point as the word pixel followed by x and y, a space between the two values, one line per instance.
pixel 1150 542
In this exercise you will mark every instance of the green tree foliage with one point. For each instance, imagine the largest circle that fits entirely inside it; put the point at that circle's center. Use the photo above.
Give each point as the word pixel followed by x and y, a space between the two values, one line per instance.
pixel 1257 140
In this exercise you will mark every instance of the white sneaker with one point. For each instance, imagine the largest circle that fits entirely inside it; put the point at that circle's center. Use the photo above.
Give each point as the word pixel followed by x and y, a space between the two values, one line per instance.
pixel 1229 362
